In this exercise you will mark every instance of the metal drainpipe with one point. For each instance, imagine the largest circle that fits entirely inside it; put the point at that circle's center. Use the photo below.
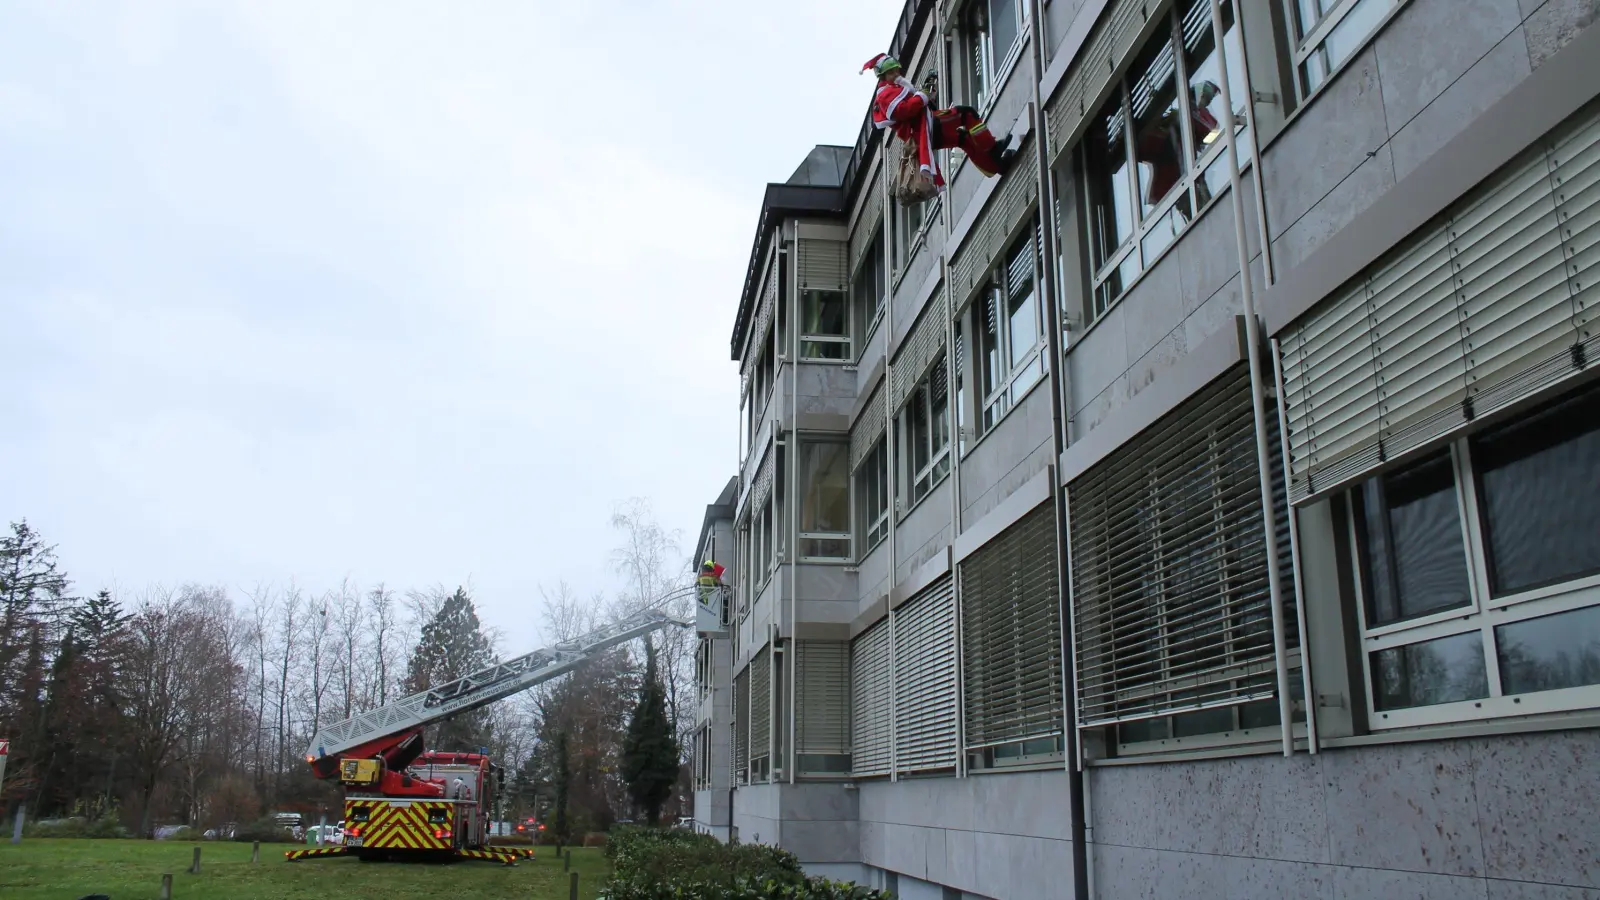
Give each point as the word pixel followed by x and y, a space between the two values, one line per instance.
pixel 1257 389
pixel 890 447
pixel 954 405
pixel 792 458
pixel 1077 785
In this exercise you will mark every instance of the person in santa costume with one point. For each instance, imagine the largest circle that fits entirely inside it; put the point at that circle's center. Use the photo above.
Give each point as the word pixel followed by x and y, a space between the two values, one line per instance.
pixel 900 105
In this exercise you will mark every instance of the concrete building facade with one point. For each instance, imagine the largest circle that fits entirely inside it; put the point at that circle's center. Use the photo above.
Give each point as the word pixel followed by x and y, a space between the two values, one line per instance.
pixel 1188 512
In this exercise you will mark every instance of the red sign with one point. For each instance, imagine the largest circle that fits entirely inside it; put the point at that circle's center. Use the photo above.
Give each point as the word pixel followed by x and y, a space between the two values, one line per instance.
pixel 5 747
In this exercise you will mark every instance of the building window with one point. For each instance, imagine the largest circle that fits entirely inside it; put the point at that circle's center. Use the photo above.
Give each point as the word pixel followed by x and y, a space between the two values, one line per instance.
pixel 1479 573
pixel 825 501
pixel 960 368
pixel 824 326
pixel 927 430
pixel 1153 157
pixel 1009 332
pixel 869 290
pixel 909 221
pixel 988 34
pixel 872 493
pixel 1327 33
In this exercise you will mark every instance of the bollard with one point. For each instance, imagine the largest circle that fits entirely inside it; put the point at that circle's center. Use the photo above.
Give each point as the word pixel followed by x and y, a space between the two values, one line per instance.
pixel 16 830
pixel 166 887
pixel 573 894
pixel 255 851
pixel 566 862
pixel 195 868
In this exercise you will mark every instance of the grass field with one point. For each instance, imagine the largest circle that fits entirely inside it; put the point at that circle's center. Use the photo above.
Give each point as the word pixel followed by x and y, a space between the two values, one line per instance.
pixel 58 869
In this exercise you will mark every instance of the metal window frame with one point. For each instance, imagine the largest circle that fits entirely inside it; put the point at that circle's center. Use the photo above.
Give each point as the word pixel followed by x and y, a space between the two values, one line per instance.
pixel 879 523
pixel 848 536
pixel 847 339
pixel 1484 615
pixel 996 294
pixel 937 456
pixel 1195 169
pixel 1308 44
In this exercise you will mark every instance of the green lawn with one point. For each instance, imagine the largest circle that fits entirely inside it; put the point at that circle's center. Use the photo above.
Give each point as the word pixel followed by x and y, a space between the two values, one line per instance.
pixel 59 869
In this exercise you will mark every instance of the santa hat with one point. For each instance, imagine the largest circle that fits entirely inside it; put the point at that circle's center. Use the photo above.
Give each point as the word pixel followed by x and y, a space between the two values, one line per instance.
pixel 881 63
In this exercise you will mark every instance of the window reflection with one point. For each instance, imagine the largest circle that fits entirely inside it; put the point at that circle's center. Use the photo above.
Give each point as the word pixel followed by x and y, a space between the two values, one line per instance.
pixel 1158 138
pixel 1551 652
pixel 1447 670
pixel 1110 193
pixel 1416 559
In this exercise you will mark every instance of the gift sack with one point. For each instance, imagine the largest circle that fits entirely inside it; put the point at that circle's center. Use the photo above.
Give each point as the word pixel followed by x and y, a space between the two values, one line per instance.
pixel 912 186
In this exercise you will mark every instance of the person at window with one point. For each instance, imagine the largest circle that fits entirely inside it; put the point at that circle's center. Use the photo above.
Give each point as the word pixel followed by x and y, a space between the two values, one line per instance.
pixel 908 110
pixel 1160 145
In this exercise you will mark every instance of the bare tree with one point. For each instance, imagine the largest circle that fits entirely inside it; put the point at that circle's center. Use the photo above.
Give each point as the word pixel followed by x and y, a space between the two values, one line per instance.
pixel 650 557
pixel 289 628
pixel 384 616
pixel 350 619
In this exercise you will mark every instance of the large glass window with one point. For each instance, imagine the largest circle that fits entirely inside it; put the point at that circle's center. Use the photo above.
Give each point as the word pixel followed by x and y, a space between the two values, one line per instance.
pixel 927 431
pixel 1327 33
pixel 869 289
pixel 1480 572
pixel 1153 156
pixel 1008 329
pixel 872 496
pixel 989 33
pixel 825 500
pixel 824 326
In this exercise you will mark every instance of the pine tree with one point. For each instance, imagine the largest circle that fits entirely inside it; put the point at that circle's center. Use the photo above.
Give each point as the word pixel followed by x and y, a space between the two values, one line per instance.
pixel 650 752
pixel 33 591
pixel 453 645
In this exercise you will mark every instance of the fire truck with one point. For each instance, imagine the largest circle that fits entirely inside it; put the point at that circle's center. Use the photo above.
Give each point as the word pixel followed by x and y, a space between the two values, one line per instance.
pixel 405 801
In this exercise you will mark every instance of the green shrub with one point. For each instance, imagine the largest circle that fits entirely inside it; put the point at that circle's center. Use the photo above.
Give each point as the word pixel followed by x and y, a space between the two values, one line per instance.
pixel 106 827
pixel 675 864
pixel 267 831
pixel 77 827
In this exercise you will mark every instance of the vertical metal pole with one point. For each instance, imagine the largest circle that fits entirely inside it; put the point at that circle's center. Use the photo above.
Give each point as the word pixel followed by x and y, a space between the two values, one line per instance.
pixel 793 459
pixel 890 444
pixel 1257 389
pixel 166 887
pixel 255 851
pixel 16 827
pixel 194 867
pixel 572 892
pixel 1294 556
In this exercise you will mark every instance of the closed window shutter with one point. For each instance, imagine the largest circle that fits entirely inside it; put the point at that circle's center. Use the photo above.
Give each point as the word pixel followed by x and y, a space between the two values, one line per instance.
pixel 870 683
pixel 741 723
pixel 822 705
pixel 823 265
pixel 1489 304
pixel 1172 604
pixel 925 681
pixel 1010 204
pixel 1011 635
pixel 918 351
pixel 1093 70
pixel 761 704
pixel 869 426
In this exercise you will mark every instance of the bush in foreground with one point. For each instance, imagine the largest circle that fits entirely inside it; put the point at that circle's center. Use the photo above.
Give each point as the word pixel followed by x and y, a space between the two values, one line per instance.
pixel 657 864
pixel 77 827
pixel 266 831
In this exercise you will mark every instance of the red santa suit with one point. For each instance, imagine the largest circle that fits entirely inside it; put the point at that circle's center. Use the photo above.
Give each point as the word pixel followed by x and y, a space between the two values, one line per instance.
pixel 961 126
pixel 898 105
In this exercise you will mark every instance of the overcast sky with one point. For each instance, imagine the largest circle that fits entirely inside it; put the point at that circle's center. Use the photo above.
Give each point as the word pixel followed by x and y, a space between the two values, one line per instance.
pixel 409 292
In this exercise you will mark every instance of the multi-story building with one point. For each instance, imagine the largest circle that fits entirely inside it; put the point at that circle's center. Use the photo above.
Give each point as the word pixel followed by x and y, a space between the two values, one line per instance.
pixel 1192 511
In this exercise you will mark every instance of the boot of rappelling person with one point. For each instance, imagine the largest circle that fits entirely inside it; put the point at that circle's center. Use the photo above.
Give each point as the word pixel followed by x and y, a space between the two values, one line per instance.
pixel 899 105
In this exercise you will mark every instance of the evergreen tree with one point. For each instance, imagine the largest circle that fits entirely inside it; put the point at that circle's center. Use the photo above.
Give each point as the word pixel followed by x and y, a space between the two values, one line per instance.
pixel 650 751
pixel 453 645
pixel 33 591
pixel 563 779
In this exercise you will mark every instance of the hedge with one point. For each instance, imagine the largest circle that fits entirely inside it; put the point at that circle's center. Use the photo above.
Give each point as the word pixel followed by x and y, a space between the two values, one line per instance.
pixel 661 864
pixel 105 827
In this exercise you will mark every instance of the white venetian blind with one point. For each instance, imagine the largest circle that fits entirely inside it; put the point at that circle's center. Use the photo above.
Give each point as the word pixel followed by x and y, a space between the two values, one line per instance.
pixel 741 724
pixel 1171 598
pixel 870 684
pixel 822 702
pixel 1011 635
pixel 1489 304
pixel 822 265
pixel 761 705
pixel 925 680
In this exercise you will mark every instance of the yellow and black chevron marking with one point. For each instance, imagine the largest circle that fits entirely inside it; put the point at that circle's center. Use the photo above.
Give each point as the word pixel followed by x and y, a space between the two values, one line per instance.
pixel 293 855
pixel 385 825
pixel 499 856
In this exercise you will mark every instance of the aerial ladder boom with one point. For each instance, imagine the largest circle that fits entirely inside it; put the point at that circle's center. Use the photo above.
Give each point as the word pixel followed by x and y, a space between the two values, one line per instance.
pixel 409 715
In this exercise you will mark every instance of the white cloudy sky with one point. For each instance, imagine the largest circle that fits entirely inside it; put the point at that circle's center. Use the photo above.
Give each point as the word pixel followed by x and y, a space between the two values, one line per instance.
pixel 402 291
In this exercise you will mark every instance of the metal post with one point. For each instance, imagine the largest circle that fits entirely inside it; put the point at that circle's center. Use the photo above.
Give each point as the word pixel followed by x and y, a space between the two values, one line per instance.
pixel 1252 329
pixel 16 828
pixel 322 825
pixel 194 868
pixel 572 893
pixel 166 887
pixel 1294 556
pixel 255 851
pixel 566 862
